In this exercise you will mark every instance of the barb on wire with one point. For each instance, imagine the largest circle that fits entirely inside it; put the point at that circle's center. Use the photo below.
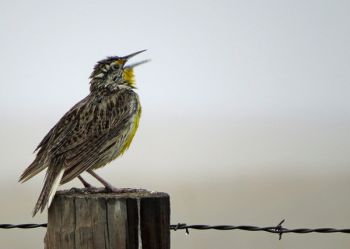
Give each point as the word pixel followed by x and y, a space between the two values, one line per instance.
pixel 279 229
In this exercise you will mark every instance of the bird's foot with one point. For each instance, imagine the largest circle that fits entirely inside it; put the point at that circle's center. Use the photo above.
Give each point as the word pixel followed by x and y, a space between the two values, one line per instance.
pixel 76 190
pixel 111 189
pixel 108 187
pixel 90 189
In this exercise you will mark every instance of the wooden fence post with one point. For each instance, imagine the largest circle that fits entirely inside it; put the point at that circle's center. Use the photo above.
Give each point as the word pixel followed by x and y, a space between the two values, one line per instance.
pixel 133 219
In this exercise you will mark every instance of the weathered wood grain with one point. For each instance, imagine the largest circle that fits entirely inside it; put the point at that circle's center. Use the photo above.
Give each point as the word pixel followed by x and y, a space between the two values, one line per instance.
pixel 134 219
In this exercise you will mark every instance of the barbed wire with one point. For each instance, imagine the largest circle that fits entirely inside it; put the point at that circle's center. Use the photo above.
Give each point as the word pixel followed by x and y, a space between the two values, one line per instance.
pixel 23 226
pixel 279 229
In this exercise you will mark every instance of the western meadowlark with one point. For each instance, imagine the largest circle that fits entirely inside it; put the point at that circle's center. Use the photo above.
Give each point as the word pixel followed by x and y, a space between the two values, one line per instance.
pixel 93 132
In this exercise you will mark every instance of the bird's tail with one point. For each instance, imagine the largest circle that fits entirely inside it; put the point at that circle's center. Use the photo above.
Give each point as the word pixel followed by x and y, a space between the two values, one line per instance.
pixel 33 169
pixel 52 181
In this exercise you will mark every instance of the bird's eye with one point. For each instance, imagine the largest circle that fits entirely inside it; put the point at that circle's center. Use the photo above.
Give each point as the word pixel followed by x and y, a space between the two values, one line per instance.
pixel 115 65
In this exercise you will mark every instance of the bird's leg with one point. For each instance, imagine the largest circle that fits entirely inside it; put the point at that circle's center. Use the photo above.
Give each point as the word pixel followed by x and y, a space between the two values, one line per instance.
pixel 107 185
pixel 85 183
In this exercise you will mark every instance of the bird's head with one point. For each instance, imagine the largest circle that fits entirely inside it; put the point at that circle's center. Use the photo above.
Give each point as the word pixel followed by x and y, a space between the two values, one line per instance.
pixel 113 72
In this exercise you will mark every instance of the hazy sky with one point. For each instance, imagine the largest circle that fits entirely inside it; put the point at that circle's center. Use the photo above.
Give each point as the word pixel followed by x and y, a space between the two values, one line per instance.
pixel 230 58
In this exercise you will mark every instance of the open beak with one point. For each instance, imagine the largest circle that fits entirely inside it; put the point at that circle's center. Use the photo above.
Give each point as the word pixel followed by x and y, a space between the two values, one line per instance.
pixel 136 64
pixel 127 57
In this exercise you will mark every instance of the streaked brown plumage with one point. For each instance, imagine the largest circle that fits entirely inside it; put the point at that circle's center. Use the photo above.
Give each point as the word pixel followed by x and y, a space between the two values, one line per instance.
pixel 92 133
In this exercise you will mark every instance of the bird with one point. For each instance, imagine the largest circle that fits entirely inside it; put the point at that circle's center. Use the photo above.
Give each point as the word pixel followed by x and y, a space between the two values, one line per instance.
pixel 95 131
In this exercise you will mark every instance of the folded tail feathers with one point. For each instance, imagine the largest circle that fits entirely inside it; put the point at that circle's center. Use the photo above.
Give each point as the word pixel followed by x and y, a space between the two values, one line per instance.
pixel 34 168
pixel 52 181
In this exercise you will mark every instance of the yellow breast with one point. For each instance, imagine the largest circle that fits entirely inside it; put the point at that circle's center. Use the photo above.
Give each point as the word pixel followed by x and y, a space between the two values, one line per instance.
pixel 132 132
pixel 129 76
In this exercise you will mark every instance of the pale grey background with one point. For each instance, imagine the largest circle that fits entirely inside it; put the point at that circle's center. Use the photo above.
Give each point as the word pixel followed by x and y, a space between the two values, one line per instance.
pixel 245 110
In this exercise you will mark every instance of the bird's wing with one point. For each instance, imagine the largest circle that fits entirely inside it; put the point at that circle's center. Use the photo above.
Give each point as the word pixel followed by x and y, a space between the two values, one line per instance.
pixel 53 140
pixel 87 145
pixel 63 128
